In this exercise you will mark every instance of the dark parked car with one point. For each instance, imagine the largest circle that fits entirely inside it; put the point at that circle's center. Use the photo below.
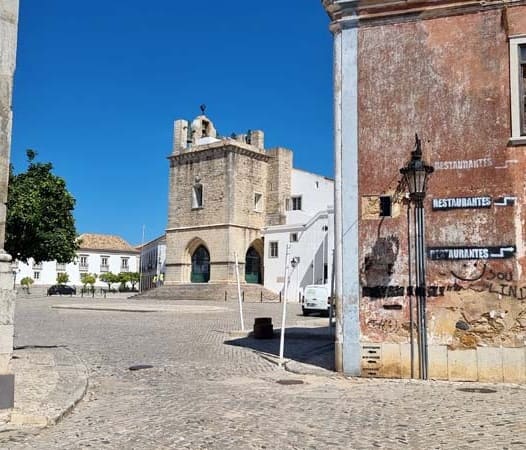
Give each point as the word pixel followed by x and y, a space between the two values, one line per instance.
pixel 61 289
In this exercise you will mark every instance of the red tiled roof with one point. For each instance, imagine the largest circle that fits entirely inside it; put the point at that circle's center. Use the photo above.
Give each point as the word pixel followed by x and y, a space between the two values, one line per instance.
pixel 107 242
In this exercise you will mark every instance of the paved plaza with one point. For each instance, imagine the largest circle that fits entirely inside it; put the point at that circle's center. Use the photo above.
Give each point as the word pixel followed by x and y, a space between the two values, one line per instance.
pixel 211 387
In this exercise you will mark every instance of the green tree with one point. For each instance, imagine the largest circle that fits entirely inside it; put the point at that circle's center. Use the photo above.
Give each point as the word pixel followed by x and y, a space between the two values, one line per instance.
pixel 39 222
pixel 123 277
pixel 26 282
pixel 134 278
pixel 88 278
pixel 62 278
pixel 109 278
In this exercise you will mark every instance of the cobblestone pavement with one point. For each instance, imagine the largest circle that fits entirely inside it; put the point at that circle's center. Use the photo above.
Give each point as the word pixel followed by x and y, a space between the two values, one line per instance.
pixel 204 394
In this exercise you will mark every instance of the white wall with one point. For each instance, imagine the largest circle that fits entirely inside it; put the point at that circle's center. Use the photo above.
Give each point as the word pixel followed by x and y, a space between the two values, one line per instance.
pixel 313 249
pixel 317 194
pixel 314 225
pixel 153 262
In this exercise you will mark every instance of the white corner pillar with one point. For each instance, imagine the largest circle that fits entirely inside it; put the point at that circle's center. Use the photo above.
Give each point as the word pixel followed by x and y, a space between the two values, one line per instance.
pixel 8 41
pixel 347 285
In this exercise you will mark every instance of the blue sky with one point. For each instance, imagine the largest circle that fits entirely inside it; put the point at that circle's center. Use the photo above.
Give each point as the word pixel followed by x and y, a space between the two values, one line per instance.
pixel 99 84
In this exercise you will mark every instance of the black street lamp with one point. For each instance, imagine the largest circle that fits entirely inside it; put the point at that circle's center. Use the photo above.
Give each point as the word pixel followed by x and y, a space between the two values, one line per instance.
pixel 415 175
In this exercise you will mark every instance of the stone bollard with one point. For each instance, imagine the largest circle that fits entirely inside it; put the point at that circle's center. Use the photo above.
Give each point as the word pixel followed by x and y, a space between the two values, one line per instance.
pixel 263 328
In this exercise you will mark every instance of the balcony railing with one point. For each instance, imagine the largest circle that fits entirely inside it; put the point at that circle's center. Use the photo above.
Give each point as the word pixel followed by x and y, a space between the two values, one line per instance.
pixel 125 269
pixel 104 268
pixel 83 267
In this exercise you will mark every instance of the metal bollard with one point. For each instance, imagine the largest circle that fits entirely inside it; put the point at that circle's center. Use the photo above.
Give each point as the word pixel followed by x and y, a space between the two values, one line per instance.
pixel 225 296
pixel 261 296
pixel 280 296
pixel 243 296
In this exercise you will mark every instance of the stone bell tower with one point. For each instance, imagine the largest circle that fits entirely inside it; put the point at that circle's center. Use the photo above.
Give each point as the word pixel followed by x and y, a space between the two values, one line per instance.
pixel 222 194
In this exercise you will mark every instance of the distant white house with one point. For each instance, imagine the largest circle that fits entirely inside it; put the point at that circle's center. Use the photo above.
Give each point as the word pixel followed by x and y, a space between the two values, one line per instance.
pixel 152 262
pixel 98 253
pixel 305 242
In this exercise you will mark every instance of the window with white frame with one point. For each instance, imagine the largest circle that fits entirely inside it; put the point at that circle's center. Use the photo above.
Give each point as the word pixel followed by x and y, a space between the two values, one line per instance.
pixel 518 89
pixel 83 263
pixel 104 263
pixel 258 202
pixel 197 196
pixel 273 249
pixel 125 267
pixel 293 237
pixel 36 275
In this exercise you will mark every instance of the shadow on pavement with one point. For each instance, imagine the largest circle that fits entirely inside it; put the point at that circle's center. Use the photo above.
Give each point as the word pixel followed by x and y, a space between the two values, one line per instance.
pixel 314 346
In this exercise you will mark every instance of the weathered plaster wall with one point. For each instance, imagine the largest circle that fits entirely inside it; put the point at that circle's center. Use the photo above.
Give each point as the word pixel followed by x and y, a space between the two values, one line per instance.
pixel 447 79
pixel 8 41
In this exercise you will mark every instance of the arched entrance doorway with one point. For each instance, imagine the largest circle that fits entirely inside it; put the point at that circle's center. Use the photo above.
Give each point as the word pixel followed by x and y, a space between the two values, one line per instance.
pixel 253 266
pixel 200 265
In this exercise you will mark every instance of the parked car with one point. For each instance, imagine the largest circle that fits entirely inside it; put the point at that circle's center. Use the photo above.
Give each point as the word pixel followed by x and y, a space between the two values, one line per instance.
pixel 316 299
pixel 61 289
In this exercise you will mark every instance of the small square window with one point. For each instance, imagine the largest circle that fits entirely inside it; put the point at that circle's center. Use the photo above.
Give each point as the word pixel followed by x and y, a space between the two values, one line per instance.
pixel 385 206
pixel 296 203
pixel 273 250
pixel 293 237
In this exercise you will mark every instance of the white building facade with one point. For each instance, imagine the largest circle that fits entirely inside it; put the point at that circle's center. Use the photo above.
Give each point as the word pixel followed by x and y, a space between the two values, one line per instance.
pixel 97 254
pixel 153 263
pixel 303 246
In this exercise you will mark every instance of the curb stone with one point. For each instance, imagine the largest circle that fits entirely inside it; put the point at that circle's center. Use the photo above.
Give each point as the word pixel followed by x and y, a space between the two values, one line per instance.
pixel 48 385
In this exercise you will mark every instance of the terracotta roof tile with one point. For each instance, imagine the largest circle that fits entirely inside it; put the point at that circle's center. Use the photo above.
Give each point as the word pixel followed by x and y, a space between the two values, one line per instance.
pixel 105 242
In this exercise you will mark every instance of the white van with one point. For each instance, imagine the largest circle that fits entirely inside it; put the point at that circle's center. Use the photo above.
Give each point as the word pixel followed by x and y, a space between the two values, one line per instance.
pixel 315 298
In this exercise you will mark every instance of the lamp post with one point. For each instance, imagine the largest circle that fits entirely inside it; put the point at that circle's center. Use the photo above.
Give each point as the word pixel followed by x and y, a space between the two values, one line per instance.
pixel 293 264
pixel 415 177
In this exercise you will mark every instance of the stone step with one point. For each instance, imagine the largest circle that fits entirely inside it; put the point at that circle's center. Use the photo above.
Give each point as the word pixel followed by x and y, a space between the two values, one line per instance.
pixel 210 291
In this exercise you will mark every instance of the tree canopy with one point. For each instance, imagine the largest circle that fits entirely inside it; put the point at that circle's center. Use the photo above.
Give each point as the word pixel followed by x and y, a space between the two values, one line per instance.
pixel 109 278
pixel 88 278
pixel 62 278
pixel 40 223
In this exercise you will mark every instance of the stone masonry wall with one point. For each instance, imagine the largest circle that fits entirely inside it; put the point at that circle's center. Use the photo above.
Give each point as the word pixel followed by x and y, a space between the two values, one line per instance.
pixel 249 177
pixel 278 185
pixel 210 168
pixel 228 222
pixel 8 41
